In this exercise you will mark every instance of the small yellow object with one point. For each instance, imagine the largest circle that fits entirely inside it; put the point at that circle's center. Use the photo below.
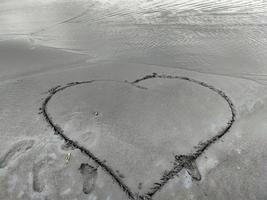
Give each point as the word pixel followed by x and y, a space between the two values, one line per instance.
pixel 67 157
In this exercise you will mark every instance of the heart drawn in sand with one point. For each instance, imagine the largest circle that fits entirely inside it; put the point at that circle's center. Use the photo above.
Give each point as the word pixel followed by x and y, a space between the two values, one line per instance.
pixel 145 122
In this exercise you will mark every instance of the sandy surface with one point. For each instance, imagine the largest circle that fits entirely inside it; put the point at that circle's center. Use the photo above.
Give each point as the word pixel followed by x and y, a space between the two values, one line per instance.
pixel 134 129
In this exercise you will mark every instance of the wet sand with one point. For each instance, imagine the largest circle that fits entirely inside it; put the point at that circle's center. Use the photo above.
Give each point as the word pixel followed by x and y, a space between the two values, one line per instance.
pixel 137 130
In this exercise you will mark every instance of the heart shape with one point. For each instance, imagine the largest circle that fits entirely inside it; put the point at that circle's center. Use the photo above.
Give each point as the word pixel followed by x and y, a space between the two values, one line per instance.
pixel 136 125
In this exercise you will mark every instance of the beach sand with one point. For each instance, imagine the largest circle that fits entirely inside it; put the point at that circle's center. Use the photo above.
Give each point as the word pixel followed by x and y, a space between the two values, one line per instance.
pixel 134 128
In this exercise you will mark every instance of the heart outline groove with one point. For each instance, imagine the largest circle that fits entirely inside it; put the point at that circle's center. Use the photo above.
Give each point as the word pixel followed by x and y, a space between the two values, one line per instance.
pixel 180 162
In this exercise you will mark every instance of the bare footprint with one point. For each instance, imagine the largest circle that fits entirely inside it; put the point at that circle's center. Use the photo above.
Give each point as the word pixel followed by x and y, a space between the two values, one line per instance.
pixel 15 151
pixel 89 174
pixel 37 184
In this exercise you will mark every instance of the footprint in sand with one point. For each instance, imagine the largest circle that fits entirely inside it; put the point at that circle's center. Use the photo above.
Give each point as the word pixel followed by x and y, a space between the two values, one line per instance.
pixel 37 184
pixel 15 151
pixel 89 174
